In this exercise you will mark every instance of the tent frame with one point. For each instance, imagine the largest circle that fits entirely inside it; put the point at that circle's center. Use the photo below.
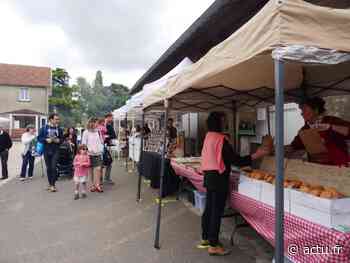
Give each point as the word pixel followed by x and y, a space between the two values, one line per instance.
pixel 279 97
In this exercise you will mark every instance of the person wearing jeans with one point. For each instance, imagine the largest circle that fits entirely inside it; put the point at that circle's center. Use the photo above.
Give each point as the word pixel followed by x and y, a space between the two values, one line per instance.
pixel 28 140
pixel 5 145
pixel 51 136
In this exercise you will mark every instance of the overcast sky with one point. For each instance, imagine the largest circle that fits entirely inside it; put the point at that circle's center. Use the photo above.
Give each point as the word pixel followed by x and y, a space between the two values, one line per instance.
pixel 122 38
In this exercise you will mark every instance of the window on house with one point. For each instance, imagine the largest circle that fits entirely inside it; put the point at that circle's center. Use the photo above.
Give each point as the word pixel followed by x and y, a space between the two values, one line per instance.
pixel 24 94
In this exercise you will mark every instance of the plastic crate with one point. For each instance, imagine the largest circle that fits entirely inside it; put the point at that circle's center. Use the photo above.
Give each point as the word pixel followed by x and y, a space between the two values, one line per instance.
pixel 191 197
pixel 200 199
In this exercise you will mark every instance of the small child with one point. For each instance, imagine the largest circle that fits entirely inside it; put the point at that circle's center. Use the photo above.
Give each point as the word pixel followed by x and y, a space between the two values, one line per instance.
pixel 81 171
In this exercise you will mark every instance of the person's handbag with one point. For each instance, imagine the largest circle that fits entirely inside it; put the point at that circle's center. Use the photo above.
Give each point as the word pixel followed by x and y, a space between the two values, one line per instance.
pixel 39 148
pixel 107 157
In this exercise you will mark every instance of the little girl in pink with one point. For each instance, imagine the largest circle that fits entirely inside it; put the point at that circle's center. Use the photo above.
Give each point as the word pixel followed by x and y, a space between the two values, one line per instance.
pixel 81 171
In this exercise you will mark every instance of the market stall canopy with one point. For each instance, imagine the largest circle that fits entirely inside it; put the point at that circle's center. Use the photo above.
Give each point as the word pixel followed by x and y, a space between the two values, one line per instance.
pixel 155 91
pixel 2 119
pixel 120 113
pixel 133 109
pixel 313 40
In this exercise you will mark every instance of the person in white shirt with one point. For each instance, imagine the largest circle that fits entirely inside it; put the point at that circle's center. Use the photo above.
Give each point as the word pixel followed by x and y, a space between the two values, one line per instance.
pixel 28 140
pixel 94 142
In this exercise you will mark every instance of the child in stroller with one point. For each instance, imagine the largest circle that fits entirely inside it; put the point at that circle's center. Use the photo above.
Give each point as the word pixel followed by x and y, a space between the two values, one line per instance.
pixel 65 160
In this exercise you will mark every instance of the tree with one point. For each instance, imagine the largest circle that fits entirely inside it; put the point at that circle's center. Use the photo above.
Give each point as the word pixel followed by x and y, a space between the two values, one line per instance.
pixel 81 101
pixel 62 100
pixel 98 99
pixel 98 82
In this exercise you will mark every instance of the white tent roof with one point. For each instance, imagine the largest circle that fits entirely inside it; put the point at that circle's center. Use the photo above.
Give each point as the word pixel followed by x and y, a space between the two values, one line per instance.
pixel 155 90
pixel 313 40
pixel 2 119
pixel 134 105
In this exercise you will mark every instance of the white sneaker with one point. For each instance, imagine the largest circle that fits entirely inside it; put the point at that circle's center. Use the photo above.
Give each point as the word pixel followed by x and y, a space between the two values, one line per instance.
pixel 30 178
pixel 22 179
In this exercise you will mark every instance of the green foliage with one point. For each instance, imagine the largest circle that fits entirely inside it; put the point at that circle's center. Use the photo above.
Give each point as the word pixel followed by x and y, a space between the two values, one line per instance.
pixel 61 100
pixel 77 103
pixel 100 99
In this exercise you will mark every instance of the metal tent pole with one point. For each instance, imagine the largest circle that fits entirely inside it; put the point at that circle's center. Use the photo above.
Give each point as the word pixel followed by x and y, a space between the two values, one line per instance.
pixel 235 140
pixel 279 190
pixel 162 172
pixel 127 145
pixel 189 134
pixel 268 120
pixel 197 136
pixel 138 198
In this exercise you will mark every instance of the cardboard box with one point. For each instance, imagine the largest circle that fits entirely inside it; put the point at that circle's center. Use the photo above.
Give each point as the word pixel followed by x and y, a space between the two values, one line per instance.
pixel 249 187
pixel 268 195
pixel 312 141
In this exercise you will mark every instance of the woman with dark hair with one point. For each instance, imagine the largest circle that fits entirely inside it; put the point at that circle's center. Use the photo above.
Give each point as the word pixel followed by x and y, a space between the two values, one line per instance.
pixel 217 158
pixel 73 139
pixel 334 132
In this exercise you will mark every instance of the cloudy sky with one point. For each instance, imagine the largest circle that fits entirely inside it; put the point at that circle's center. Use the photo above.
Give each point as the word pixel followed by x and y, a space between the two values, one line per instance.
pixel 123 38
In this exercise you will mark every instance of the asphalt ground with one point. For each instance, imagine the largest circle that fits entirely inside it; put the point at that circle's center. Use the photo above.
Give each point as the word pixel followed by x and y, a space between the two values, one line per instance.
pixel 41 227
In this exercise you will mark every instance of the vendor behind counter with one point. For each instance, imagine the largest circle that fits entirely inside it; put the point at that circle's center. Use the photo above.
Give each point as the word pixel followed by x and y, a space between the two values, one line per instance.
pixel 334 133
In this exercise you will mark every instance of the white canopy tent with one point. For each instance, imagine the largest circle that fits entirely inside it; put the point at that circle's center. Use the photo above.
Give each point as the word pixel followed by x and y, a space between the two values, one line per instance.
pixel 156 90
pixel 150 92
pixel 313 39
pixel 290 49
pixel 2 120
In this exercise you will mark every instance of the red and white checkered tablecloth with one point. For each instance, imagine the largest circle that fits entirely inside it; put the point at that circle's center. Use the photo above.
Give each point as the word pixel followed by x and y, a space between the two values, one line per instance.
pixel 304 241
pixel 195 178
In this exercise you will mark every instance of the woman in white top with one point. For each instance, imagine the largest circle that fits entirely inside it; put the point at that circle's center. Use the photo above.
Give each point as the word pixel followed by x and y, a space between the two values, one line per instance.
pixel 94 142
pixel 28 140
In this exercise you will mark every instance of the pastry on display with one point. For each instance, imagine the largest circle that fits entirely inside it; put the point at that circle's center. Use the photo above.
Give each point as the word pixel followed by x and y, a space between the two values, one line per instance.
pixel 326 194
pixel 305 188
pixel 315 190
pixel 257 174
pixel 331 193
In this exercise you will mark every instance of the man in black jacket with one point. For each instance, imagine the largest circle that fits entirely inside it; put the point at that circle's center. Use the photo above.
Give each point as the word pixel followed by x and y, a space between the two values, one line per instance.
pixel 5 145
pixel 108 141
pixel 110 130
pixel 51 136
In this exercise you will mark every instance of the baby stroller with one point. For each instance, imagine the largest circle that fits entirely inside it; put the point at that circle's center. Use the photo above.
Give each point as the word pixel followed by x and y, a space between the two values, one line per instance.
pixel 65 161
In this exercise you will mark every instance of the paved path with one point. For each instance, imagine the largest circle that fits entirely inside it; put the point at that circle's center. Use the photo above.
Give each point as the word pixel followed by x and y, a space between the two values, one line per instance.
pixel 41 227
pixel 15 162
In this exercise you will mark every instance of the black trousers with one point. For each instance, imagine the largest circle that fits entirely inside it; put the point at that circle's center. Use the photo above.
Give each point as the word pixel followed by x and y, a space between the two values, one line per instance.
pixel 211 218
pixel 27 159
pixel 51 164
pixel 4 155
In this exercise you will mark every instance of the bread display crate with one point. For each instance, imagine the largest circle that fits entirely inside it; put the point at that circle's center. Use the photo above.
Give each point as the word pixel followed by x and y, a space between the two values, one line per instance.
pixel 249 187
pixel 268 195
pixel 331 213
pixel 200 200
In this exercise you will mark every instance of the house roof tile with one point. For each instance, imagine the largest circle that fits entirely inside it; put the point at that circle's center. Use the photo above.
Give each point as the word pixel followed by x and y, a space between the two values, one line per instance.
pixel 21 75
